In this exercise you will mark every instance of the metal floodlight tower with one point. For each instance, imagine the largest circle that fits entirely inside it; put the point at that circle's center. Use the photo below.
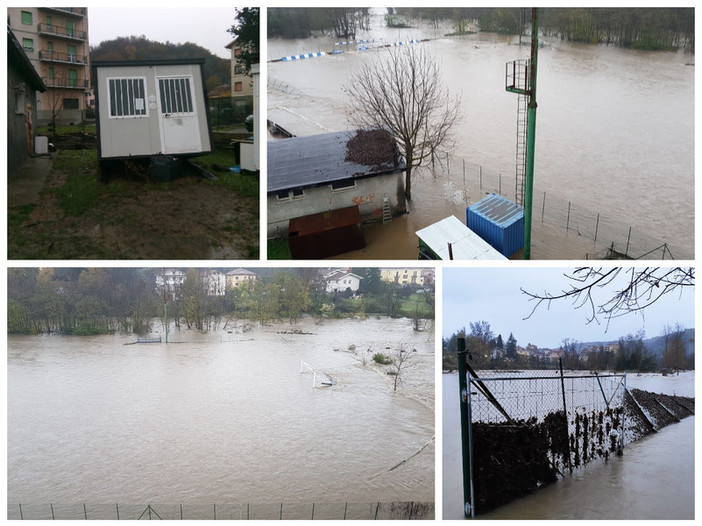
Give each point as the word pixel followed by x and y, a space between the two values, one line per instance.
pixel 520 78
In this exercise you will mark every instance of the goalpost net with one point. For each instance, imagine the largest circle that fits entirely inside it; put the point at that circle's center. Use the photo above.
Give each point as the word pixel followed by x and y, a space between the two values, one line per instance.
pixel 319 379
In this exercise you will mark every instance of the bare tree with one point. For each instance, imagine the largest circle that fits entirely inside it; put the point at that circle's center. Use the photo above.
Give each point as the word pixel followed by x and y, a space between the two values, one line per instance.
pixel 401 360
pixel 674 355
pixel 643 288
pixel 401 91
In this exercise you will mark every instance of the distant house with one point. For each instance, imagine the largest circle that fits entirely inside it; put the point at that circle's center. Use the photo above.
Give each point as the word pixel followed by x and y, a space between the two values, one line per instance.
pixel 334 179
pixel 215 281
pixel 238 277
pixel 23 83
pixel 242 85
pixel 403 276
pixel 341 280
pixel 169 282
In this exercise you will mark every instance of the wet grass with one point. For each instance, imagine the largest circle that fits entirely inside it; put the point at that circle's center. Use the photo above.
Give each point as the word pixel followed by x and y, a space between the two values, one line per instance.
pixel 79 216
pixel 219 163
pixel 279 249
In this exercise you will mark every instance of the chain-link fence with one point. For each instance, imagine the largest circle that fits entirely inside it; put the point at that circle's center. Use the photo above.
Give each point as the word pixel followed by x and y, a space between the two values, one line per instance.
pixel 609 238
pixel 277 511
pixel 526 430
pixel 228 111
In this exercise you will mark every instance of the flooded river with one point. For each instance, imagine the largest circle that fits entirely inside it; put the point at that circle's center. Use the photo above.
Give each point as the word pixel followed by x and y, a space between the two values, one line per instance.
pixel 654 479
pixel 615 133
pixel 221 417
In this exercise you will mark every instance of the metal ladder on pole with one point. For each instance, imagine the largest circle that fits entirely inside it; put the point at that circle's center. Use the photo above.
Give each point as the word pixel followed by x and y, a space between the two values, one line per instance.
pixel 521 158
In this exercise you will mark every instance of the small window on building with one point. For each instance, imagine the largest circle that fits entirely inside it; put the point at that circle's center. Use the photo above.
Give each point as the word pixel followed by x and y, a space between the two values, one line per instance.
pixel 343 185
pixel 51 73
pixel 72 78
pixel 50 47
pixel 28 44
pixel 237 52
pixel 27 17
pixel 298 193
pixel 127 97
pixel 238 70
pixel 70 104
pixel 283 195
pixel 49 21
pixel 238 86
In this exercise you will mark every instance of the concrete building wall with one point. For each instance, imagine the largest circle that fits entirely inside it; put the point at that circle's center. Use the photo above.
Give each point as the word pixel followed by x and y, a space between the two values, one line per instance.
pixel 21 118
pixel 368 195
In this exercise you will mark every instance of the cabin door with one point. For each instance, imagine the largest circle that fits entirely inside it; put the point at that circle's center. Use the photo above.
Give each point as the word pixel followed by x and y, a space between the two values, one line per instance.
pixel 180 129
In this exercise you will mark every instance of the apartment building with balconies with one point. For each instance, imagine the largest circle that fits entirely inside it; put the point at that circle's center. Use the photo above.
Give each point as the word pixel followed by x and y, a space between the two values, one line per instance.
pixel 55 39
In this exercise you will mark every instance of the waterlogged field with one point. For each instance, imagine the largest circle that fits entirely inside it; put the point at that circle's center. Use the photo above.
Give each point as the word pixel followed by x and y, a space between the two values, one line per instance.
pixel 225 417
pixel 654 479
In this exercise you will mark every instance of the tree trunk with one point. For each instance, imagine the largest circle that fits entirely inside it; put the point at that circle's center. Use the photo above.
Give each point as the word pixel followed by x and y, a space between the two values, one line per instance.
pixel 408 181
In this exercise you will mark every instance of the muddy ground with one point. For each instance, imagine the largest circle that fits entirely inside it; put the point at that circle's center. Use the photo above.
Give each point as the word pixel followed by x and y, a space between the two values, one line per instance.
pixel 80 216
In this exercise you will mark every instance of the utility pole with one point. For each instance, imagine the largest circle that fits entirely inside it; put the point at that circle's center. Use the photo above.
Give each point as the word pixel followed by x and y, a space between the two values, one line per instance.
pixel 521 79
pixel 531 134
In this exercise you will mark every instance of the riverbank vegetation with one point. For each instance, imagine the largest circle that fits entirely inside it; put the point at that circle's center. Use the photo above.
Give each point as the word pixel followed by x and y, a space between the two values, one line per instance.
pixel 636 28
pixel 673 350
pixel 104 300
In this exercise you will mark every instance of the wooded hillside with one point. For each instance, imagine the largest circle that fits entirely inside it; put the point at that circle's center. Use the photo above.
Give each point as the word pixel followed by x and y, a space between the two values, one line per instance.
pixel 217 70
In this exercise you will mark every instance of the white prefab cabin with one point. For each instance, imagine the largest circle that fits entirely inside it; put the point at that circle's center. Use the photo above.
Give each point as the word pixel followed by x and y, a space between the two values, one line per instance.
pixel 146 108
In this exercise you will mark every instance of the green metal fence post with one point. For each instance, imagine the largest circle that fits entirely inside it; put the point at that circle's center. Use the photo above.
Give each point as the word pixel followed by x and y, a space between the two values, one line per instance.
pixel 531 133
pixel 466 442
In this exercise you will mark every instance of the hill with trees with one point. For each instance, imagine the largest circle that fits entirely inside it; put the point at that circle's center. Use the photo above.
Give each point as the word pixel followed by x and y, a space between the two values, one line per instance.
pixel 217 69
pixel 673 349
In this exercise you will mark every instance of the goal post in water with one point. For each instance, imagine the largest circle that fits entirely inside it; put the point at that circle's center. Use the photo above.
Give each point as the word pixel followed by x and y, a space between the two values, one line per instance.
pixel 319 379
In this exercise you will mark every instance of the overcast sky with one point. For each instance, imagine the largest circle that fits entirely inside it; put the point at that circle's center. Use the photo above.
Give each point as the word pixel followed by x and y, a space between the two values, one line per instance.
pixel 494 295
pixel 205 26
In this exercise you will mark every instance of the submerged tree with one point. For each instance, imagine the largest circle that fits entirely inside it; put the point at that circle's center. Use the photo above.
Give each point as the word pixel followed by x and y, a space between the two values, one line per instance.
pixel 402 92
pixel 674 355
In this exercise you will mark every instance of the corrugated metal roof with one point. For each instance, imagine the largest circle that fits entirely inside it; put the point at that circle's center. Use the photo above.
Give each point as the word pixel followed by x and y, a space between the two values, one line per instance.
pixel 319 159
pixel 498 210
pixel 465 243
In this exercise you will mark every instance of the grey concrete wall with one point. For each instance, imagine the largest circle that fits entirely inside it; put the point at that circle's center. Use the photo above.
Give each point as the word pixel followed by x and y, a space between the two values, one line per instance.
pixel 17 143
pixel 368 195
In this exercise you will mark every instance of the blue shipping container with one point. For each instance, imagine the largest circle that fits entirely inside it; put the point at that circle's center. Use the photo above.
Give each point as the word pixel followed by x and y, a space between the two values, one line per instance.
pixel 498 221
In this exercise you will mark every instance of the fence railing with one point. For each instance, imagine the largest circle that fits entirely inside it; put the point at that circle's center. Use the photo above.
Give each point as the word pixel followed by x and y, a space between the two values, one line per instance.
pixel 609 237
pixel 271 511
pixel 525 430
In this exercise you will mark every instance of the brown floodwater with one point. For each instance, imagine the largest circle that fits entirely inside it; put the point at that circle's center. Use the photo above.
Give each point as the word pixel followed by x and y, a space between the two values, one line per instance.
pixel 654 479
pixel 615 137
pixel 223 417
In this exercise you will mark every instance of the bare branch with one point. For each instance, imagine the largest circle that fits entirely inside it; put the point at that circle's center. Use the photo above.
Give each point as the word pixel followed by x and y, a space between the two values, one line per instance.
pixel 643 288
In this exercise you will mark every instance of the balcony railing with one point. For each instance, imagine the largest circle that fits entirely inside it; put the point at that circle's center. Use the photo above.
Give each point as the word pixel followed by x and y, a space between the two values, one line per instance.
pixel 57 56
pixel 58 82
pixel 61 31
pixel 76 11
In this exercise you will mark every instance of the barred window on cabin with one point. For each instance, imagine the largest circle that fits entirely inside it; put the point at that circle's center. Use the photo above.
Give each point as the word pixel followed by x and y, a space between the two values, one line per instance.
pixel 176 96
pixel 127 97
